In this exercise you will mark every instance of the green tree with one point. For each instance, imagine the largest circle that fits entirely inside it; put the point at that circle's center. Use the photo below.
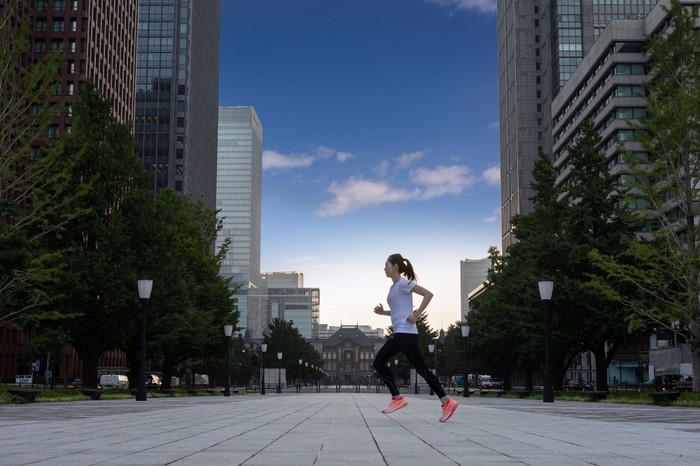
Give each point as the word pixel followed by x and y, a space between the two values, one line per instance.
pixel 28 187
pixel 282 337
pixel 169 242
pixel 93 285
pixel 666 268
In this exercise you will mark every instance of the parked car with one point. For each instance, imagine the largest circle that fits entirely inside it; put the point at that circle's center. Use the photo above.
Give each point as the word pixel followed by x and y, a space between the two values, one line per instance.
pixel 492 383
pixel 114 381
pixel 662 382
pixel 153 381
pixel 458 381
pixel 77 383
pixel 578 384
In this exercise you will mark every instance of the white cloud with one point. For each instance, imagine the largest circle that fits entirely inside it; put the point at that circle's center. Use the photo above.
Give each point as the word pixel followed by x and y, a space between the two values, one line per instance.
pixel 492 176
pixel 343 156
pixel 443 180
pixel 493 218
pixel 407 159
pixel 275 160
pixel 494 125
pixel 324 152
pixel 483 6
pixel 355 194
pixel 382 169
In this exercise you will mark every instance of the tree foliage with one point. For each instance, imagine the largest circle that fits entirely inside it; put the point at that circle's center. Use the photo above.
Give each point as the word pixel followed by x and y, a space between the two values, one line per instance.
pixel 27 208
pixel 282 337
pixel 664 266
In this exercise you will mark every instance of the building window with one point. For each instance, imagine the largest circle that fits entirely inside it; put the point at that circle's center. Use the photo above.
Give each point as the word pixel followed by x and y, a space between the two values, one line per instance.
pixel 73 25
pixel 71 46
pixel 74 5
pixel 69 89
pixel 39 46
pixel 34 153
pixel 58 25
pixel 52 132
pixel 71 67
pixel 40 25
pixel 69 110
pixel 41 5
pixel 59 5
pixel 56 44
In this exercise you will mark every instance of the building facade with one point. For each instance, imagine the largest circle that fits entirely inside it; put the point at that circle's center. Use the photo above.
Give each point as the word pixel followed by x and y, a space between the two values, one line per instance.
pixel 540 44
pixel 472 275
pixel 239 201
pixel 348 355
pixel 177 93
pixel 287 299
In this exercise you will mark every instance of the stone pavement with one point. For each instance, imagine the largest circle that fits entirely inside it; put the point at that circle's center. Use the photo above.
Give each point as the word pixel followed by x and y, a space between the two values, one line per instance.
pixel 345 428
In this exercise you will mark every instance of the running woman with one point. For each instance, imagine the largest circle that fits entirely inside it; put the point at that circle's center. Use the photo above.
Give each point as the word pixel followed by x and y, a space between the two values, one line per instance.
pixel 405 337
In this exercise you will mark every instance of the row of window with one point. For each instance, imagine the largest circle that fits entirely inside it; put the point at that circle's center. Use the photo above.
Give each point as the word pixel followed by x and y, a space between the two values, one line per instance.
pixel 56 44
pixel 58 5
pixel 161 25
pixel 57 25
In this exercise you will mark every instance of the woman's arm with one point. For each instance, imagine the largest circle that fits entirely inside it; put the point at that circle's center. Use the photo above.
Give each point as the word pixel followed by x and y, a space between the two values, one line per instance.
pixel 427 296
pixel 380 310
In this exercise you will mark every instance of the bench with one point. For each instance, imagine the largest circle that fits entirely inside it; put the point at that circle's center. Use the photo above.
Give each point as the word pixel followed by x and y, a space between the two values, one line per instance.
pixel 29 395
pixel 192 391
pixel 665 396
pixel 500 393
pixel 211 391
pixel 168 391
pixel 483 392
pixel 524 394
pixel 598 395
pixel 92 393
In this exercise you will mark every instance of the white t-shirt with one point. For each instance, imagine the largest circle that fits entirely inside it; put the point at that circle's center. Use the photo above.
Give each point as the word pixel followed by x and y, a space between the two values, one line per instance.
pixel 400 301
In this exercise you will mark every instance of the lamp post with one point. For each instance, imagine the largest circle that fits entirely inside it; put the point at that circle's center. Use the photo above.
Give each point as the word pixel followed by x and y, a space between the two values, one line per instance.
pixel 432 349
pixel 307 371
pixel 263 348
pixel 396 372
pixel 145 287
pixel 279 372
pixel 465 334
pixel 546 289
pixel 228 330
pixel 300 362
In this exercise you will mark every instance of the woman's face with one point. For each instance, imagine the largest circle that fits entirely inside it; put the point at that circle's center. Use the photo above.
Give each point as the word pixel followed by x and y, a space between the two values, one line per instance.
pixel 389 268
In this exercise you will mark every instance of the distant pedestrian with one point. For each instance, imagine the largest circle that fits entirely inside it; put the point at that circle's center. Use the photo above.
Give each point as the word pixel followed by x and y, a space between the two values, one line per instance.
pixel 405 337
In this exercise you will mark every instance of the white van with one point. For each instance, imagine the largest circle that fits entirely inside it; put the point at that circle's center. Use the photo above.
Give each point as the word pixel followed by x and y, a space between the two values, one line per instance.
pixel 114 381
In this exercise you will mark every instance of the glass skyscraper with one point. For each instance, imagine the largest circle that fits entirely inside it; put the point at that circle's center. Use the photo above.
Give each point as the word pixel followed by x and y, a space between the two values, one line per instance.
pixel 540 44
pixel 239 201
pixel 177 92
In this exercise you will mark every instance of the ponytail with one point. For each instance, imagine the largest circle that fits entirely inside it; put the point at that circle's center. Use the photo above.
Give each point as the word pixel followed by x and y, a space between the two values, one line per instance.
pixel 405 267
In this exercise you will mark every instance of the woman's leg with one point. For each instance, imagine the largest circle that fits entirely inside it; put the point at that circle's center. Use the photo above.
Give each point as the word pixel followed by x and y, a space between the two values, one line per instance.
pixel 388 351
pixel 412 352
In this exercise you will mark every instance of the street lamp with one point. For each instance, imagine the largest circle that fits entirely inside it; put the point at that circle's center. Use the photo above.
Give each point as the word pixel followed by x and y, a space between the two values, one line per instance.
pixel 307 371
pixel 465 334
pixel 263 348
pixel 300 361
pixel 145 287
pixel 396 372
pixel 546 288
pixel 228 330
pixel 279 372
pixel 432 349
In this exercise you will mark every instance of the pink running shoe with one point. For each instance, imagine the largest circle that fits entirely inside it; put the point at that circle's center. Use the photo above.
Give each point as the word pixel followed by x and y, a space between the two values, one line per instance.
pixel 447 409
pixel 395 405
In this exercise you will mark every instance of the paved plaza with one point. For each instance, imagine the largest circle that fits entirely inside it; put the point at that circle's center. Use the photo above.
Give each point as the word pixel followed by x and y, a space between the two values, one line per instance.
pixel 345 428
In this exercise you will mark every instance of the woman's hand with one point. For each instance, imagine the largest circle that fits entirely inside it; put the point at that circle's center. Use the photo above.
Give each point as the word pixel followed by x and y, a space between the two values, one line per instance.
pixel 379 309
pixel 413 318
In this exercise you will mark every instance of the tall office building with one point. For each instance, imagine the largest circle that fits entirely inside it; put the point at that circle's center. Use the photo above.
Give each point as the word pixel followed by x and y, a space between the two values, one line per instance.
pixel 472 274
pixel 177 93
pixel 239 200
pixel 98 38
pixel 287 299
pixel 540 44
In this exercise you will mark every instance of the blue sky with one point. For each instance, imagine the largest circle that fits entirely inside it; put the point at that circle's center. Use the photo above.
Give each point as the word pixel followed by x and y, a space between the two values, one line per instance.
pixel 380 135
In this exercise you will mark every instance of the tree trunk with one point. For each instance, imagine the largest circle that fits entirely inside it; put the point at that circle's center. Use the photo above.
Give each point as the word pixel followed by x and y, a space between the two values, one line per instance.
pixel 167 372
pixel 695 353
pixel 90 360
pixel 601 366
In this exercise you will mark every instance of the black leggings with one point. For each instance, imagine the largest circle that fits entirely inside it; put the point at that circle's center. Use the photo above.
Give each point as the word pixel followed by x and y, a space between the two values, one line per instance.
pixel 406 343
